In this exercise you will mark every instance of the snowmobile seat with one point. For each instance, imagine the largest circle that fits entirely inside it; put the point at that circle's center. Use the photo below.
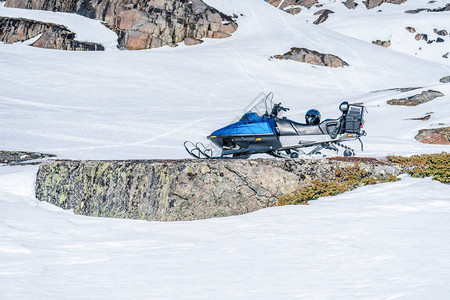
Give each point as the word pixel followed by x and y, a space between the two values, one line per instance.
pixel 289 127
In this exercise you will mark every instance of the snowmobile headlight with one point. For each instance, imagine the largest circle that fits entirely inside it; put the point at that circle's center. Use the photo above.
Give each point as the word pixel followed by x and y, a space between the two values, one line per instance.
pixel 349 135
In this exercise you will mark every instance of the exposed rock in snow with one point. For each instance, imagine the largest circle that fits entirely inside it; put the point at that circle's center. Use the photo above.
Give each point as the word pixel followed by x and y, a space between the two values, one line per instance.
pixel 183 189
pixel 192 41
pixel 17 157
pixel 19 30
pixel 350 4
pixel 323 15
pixel 384 44
pixel 146 24
pixel 440 32
pixel 374 3
pixel 440 136
pixel 53 36
pixel 313 57
pixel 440 9
pixel 292 6
pixel 410 29
pixel 415 100
pixel 445 79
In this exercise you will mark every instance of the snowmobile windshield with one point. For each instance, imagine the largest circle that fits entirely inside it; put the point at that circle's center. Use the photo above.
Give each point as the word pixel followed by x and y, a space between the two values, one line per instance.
pixel 260 110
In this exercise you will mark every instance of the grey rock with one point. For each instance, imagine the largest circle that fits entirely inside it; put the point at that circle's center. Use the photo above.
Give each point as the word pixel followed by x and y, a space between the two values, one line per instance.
pixel 21 157
pixel 374 3
pixel 445 79
pixel 292 6
pixel 182 189
pixel 323 16
pixel 417 99
pixel 313 57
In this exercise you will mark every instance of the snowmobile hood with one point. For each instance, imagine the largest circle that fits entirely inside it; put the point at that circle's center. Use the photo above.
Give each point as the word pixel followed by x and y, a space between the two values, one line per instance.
pixel 242 128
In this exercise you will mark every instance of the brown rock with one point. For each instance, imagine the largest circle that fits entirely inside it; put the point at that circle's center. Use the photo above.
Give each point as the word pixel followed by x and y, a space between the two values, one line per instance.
pixel 292 6
pixel 313 57
pixel 374 3
pixel 14 30
pixel 350 4
pixel 410 29
pixel 192 42
pixel 147 23
pixel 384 44
pixel 439 136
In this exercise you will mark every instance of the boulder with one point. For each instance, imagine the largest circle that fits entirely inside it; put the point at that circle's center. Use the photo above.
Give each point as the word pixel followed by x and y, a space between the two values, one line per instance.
pixel 445 79
pixel 350 4
pixel 384 44
pixel 323 15
pixel 292 6
pixel 313 57
pixel 439 136
pixel 410 29
pixel 183 189
pixel 417 99
pixel 374 3
pixel 148 23
pixel 22 157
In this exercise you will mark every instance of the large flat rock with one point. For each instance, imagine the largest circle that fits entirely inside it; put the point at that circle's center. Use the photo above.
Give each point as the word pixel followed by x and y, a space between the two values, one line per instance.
pixel 182 189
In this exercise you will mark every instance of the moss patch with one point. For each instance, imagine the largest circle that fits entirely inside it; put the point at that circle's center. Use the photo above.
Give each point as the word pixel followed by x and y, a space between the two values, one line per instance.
pixel 426 165
pixel 347 179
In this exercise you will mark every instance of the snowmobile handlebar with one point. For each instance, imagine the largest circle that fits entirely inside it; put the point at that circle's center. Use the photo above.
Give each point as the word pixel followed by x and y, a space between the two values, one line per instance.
pixel 277 108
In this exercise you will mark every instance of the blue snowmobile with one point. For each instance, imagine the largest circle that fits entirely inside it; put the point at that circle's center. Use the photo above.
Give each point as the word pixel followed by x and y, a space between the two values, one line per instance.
pixel 261 131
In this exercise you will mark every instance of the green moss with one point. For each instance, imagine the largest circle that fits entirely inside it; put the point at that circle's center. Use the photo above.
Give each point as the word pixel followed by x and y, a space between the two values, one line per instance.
pixel 436 166
pixel 346 179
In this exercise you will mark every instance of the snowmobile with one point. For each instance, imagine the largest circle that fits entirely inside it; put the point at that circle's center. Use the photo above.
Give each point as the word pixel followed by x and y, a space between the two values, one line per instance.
pixel 262 130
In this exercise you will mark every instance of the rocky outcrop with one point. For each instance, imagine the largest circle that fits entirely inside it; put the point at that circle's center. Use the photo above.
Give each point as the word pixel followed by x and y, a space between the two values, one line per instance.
pixel 439 9
pixel 53 36
pixel 350 4
pixel 59 37
pixel 21 157
pixel 445 79
pixel 384 44
pixel 148 23
pixel 374 3
pixel 183 189
pixel 415 100
pixel 14 30
pixel 439 136
pixel 313 57
pixel 442 32
pixel 410 29
pixel 292 6
pixel 323 15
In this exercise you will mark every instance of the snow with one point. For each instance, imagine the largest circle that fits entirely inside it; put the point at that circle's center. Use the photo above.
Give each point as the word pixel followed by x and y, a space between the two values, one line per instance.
pixel 388 241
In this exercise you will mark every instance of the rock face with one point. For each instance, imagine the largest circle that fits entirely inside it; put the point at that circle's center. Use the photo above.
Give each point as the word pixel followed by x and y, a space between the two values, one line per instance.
pixel 59 37
pixel 440 136
pixel 313 57
pixel 183 189
pixel 148 23
pixel 292 6
pixel 415 100
pixel 439 9
pixel 384 44
pixel 374 3
pixel 18 30
pixel 323 15
pixel 53 36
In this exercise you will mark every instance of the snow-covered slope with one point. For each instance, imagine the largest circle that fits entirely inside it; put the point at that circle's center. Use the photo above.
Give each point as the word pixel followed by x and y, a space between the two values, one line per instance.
pixel 144 104
pixel 382 242
pixel 388 241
